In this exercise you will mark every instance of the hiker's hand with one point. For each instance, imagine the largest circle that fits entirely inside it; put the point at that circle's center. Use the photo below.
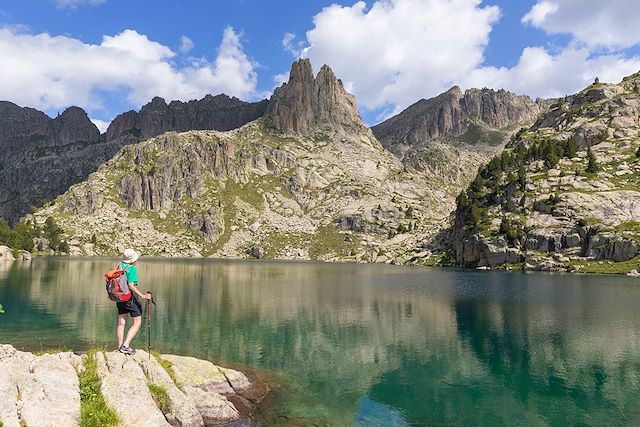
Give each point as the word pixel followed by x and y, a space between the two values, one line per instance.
pixel 146 296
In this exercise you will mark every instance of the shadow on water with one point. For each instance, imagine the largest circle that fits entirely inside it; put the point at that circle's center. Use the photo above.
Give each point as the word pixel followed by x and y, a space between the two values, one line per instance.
pixel 367 345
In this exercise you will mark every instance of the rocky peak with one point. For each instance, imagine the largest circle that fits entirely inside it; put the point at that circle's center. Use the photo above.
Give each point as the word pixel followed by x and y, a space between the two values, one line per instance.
pixel 218 112
pixel 306 104
pixel 451 115
pixel 74 125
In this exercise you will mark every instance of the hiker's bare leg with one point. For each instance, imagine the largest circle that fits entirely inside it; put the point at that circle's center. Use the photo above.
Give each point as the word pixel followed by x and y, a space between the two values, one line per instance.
pixel 133 330
pixel 122 320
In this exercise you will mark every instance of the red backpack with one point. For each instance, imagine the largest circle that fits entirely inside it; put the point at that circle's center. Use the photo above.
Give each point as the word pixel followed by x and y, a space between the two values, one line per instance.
pixel 117 286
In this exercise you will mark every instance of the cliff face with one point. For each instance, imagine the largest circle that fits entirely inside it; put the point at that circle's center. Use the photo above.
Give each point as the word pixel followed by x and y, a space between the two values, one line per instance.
pixel 306 183
pixel 218 112
pixel 42 157
pixel 564 194
pixel 306 104
pixel 473 117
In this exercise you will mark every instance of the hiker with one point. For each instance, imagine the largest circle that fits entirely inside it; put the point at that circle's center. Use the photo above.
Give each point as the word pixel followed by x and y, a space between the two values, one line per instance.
pixel 131 307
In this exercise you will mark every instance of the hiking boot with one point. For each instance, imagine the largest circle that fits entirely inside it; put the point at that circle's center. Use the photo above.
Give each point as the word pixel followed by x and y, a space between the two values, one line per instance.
pixel 126 350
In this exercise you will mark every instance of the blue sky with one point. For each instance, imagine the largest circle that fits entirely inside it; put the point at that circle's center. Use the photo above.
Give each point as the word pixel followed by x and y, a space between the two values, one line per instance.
pixel 109 56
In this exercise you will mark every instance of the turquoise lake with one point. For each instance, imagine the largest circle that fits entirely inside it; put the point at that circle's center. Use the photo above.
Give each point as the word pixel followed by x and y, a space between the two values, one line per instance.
pixel 366 345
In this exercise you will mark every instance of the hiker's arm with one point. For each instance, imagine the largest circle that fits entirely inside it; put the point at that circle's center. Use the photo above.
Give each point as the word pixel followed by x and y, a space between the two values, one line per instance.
pixel 135 290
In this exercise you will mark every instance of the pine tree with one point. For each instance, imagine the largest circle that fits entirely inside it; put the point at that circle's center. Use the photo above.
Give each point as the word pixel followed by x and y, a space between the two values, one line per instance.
pixel 592 162
pixel 570 148
pixel 522 177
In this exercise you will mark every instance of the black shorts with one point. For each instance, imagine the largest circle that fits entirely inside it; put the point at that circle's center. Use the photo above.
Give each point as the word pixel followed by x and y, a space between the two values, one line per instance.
pixel 132 307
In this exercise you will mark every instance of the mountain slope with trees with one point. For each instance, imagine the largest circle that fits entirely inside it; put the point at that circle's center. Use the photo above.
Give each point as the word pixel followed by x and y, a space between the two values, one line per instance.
pixel 564 195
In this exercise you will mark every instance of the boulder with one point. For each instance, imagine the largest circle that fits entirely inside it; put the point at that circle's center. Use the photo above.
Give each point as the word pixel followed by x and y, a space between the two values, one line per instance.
pixel 612 246
pixel 540 240
pixel 123 380
pixel 198 373
pixel 213 407
pixel 480 251
pixel 181 411
pixel 24 256
pixel 208 386
pixel 5 254
pixel 39 390
pixel 256 251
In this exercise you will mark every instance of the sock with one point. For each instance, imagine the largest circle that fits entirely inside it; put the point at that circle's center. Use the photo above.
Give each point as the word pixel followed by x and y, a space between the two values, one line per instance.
pixel 126 344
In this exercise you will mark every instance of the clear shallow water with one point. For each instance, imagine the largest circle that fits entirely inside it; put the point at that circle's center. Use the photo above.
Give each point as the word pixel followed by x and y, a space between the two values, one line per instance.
pixel 367 344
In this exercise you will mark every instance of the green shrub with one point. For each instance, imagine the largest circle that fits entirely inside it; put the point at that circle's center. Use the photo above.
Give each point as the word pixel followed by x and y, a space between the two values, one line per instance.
pixel 511 230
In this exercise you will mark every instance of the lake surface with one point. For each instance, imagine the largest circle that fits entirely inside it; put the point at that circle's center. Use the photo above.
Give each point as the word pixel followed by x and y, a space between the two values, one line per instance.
pixel 367 345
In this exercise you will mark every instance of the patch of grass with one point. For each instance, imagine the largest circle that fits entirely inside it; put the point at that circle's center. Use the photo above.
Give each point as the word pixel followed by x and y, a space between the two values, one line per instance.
pixel 54 350
pixel 510 266
pixel 437 260
pixel 476 134
pixel 628 226
pixel 94 411
pixel 274 243
pixel 328 239
pixel 605 266
pixel 160 396
pixel 166 365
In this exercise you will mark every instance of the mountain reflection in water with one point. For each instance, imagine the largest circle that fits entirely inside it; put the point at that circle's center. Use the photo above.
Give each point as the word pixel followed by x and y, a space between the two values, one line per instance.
pixel 367 344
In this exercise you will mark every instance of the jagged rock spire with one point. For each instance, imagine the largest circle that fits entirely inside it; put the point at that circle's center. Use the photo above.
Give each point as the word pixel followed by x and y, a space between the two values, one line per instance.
pixel 306 104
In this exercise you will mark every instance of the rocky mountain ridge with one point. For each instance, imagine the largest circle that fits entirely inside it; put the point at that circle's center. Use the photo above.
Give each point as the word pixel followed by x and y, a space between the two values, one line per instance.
pixel 475 116
pixel 564 194
pixel 42 157
pixel 452 135
pixel 218 112
pixel 309 183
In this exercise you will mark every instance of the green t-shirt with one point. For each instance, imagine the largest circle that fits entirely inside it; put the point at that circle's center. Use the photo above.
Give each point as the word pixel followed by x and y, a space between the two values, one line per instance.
pixel 131 273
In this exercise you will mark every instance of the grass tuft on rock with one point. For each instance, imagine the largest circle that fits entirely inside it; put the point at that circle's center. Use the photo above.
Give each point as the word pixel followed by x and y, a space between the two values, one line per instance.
pixel 94 411
pixel 160 396
pixel 166 365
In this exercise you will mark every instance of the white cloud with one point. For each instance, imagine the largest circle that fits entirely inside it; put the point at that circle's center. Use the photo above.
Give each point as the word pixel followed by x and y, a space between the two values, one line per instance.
pixel 595 23
pixel 72 4
pixel 540 73
pixel 539 12
pixel 186 44
pixel 101 125
pixel 281 78
pixel 400 50
pixel 390 53
pixel 291 45
pixel 46 72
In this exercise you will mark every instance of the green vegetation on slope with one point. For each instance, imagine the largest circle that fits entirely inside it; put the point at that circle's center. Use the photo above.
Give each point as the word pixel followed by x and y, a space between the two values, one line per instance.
pixel 506 175
pixel 21 236
pixel 477 134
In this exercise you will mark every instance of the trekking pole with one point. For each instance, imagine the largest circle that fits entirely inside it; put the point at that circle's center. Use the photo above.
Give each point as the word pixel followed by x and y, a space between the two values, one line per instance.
pixel 149 301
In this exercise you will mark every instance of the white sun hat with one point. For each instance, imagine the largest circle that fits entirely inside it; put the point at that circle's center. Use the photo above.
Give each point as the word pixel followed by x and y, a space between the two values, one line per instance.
pixel 130 256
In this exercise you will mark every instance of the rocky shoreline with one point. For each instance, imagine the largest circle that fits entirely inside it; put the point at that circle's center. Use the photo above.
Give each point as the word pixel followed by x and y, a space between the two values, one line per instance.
pixel 47 390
